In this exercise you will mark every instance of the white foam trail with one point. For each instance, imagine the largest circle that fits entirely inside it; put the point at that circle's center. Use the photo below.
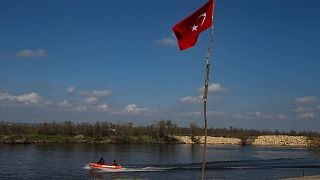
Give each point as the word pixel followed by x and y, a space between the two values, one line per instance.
pixel 86 167
pixel 144 169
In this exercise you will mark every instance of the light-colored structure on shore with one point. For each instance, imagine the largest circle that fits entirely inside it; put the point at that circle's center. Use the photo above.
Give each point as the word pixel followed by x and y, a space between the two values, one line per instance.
pixel 210 140
pixel 305 178
pixel 281 140
pixel 269 140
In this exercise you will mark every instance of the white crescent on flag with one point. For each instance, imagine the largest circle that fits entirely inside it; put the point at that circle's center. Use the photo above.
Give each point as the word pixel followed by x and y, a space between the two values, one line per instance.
pixel 194 27
pixel 202 15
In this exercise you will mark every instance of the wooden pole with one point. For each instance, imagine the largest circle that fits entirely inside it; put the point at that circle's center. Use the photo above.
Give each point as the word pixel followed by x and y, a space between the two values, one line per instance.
pixel 205 95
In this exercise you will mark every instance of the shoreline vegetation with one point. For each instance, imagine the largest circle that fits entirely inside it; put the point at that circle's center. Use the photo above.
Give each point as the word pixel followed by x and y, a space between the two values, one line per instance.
pixel 164 131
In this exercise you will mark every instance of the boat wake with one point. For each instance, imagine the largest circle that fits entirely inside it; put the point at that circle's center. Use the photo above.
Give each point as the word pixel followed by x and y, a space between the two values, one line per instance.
pixel 141 169
pixel 130 169
pixel 222 165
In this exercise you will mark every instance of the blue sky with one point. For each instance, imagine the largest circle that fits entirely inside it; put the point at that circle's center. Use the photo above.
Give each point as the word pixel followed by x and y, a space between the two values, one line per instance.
pixel 118 61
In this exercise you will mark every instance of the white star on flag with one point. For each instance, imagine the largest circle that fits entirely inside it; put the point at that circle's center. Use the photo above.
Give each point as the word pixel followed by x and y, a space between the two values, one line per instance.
pixel 194 27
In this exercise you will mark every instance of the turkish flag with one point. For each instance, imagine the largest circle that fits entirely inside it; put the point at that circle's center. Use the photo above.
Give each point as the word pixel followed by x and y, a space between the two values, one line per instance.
pixel 188 30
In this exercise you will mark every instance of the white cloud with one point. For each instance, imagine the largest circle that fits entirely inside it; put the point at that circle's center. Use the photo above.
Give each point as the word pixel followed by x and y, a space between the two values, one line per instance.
pixel 306 115
pixel 31 98
pixel 200 113
pixel 84 106
pixel 71 89
pixel 75 105
pixel 216 113
pixel 91 100
pixel 65 103
pixel 247 115
pixel 213 87
pixel 190 113
pixel 133 109
pixel 239 116
pixel 307 100
pixel 166 42
pixel 100 93
pixel 94 93
pixel 103 107
pixel 191 99
pixel 90 97
pixel 27 53
pixel 81 108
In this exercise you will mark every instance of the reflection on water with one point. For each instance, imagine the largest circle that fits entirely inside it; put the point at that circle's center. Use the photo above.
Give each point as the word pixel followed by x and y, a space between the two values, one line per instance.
pixel 153 161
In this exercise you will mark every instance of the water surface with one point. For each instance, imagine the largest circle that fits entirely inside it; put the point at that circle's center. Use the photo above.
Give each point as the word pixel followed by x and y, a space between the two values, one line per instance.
pixel 154 161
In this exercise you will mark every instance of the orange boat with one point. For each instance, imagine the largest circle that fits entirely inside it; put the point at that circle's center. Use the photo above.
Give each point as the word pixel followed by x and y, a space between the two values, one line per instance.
pixel 105 166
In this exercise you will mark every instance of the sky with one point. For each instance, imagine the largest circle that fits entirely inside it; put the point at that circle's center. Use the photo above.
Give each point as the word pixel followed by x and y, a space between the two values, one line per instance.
pixel 118 61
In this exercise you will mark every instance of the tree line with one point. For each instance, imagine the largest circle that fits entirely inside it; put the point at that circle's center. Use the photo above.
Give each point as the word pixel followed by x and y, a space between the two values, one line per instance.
pixel 159 129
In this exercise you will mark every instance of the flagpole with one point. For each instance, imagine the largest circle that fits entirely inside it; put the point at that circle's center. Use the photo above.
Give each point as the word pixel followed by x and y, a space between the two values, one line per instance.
pixel 205 95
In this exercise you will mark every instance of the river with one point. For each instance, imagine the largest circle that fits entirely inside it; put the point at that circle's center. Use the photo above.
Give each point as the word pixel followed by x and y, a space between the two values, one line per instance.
pixel 154 161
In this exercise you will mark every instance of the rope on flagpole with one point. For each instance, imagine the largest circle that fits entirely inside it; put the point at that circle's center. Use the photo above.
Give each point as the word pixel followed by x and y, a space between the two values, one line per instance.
pixel 205 95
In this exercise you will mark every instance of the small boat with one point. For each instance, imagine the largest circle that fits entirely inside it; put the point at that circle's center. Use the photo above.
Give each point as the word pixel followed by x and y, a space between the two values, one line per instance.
pixel 105 166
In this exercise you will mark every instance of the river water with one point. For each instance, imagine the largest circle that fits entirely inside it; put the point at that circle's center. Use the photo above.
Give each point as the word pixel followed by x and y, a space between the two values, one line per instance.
pixel 154 161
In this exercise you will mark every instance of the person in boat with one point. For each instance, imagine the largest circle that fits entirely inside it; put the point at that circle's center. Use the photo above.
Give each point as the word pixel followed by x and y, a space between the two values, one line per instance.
pixel 101 161
pixel 114 163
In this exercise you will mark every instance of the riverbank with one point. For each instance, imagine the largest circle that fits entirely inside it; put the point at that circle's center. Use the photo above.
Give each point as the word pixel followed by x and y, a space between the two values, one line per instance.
pixel 210 140
pixel 38 139
pixel 268 140
pixel 304 178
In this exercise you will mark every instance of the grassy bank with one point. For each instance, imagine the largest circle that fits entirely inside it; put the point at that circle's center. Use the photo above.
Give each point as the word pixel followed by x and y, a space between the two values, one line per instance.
pixel 39 138
pixel 158 132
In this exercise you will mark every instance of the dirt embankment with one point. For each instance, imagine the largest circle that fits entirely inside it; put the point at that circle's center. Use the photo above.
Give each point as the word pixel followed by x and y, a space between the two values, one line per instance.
pixel 281 140
pixel 210 140
pixel 269 140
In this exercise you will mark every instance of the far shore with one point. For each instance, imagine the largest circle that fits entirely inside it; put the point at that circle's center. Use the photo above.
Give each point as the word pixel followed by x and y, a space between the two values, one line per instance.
pixel 266 140
pixel 162 131
pixel 304 178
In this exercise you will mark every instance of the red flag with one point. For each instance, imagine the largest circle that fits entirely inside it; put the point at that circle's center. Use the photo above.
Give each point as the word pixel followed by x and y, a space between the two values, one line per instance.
pixel 188 30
